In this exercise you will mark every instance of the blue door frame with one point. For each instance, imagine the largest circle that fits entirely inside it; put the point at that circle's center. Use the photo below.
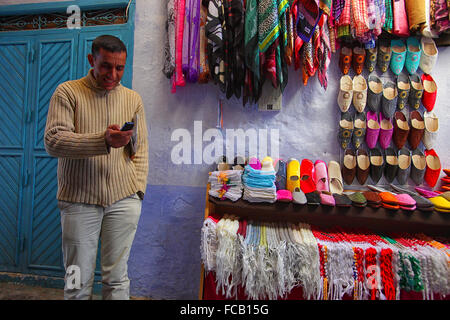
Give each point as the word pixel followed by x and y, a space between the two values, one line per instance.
pixel 43 53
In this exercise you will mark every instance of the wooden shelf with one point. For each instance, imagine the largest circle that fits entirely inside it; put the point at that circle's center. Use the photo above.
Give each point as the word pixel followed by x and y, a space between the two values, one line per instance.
pixel 380 220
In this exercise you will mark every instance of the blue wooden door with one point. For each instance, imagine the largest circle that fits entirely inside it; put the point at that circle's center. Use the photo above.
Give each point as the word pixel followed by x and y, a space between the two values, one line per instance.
pixel 14 103
pixel 54 61
pixel 30 230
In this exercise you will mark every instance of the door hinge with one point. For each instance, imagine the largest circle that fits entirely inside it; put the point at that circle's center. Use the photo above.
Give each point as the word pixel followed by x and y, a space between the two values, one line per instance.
pixel 26 178
pixel 29 116
pixel 31 55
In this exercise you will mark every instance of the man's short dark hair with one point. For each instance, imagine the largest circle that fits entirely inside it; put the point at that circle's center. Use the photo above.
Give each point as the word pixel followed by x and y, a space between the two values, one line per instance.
pixel 108 43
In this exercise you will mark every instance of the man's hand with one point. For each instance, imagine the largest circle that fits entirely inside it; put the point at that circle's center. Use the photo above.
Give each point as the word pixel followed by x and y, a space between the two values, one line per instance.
pixel 116 138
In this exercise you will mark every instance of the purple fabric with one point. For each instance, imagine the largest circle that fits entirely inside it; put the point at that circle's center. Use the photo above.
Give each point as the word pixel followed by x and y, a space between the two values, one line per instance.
pixel 338 6
pixel 191 40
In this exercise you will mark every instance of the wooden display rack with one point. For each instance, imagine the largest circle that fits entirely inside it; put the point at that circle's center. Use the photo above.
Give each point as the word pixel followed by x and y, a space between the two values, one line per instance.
pixel 379 220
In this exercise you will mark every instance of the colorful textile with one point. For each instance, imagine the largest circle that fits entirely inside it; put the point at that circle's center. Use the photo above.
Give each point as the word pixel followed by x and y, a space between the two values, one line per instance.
pixel 266 260
pixel 325 6
pixel 344 19
pixel 191 40
pixel 204 73
pixel 268 23
pixel 214 33
pixel 416 14
pixel 400 19
pixel 359 16
pixel 338 6
pixel 169 48
pixel 389 21
pixel 324 53
pixel 251 41
pixel 178 78
pixel 234 47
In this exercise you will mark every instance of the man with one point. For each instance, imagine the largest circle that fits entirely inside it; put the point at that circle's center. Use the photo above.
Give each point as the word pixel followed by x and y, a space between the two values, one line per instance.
pixel 102 174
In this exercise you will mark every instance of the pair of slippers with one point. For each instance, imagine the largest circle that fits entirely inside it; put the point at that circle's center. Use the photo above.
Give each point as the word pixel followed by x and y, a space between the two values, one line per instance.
pixel 422 203
pixel 301 176
pixel 405 55
pixel 394 201
pixel 352 57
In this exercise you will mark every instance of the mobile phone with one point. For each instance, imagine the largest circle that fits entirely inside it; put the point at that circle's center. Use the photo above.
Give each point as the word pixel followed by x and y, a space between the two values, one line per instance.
pixel 127 126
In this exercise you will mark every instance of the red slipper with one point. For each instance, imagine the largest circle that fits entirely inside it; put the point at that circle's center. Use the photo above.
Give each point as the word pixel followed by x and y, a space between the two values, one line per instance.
pixel 306 176
pixel 445 179
pixel 446 188
pixel 433 168
pixel 429 92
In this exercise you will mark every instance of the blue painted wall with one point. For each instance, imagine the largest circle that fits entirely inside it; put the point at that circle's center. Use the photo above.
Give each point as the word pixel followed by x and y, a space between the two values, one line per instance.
pixel 164 259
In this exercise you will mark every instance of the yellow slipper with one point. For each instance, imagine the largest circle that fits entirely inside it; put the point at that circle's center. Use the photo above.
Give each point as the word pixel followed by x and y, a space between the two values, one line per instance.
pixel 440 203
pixel 293 175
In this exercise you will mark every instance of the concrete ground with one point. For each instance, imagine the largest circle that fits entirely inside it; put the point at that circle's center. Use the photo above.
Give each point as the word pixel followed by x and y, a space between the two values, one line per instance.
pixel 18 291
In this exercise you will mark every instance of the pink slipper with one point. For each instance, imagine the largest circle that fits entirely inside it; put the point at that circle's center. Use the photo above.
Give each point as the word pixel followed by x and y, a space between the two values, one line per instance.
pixel 405 200
pixel 284 195
pixel 327 199
pixel 321 176
pixel 426 193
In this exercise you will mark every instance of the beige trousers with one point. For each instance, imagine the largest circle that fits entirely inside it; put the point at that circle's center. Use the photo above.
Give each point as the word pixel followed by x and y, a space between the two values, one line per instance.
pixel 82 227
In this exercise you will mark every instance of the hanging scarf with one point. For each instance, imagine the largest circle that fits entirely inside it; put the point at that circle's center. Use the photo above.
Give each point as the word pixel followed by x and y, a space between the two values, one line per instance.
pixel 338 6
pixel 204 73
pixel 214 32
pixel 234 47
pixel 324 53
pixel 360 22
pixel 400 25
pixel 169 48
pixel 268 24
pixel 191 40
pixel 290 36
pixel 325 5
pixel 298 42
pixel 252 80
pixel 307 61
pixel 343 23
pixel 388 24
pixel 282 70
pixel 178 78
pixel 308 16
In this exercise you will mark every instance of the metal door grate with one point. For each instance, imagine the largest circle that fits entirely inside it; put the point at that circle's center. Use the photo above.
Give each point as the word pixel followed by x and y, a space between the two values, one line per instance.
pixel 59 20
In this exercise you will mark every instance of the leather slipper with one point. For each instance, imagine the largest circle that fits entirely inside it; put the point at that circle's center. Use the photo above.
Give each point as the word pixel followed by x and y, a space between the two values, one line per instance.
pixel 349 166
pixel 335 177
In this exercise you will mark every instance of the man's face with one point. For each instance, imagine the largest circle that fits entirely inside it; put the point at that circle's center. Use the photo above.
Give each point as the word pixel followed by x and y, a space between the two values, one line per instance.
pixel 108 67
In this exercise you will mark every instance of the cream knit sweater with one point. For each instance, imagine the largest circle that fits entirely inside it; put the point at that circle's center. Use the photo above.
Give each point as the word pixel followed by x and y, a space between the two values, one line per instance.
pixel 88 171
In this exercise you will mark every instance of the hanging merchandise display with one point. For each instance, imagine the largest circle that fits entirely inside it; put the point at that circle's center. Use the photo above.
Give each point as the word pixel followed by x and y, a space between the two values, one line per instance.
pixel 266 260
pixel 239 45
